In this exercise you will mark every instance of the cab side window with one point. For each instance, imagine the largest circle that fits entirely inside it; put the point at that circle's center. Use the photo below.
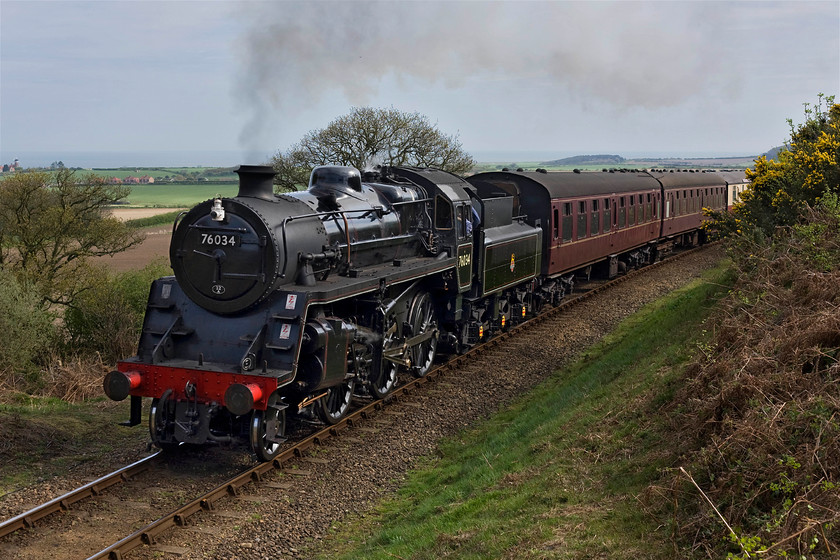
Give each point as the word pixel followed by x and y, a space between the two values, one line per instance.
pixel 464 223
pixel 443 213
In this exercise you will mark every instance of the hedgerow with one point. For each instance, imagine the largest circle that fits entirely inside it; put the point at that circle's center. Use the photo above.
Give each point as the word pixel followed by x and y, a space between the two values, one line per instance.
pixel 758 417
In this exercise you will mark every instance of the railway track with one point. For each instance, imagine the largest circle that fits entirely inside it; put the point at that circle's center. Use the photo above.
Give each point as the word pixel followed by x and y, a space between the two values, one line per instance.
pixel 235 486
pixel 63 503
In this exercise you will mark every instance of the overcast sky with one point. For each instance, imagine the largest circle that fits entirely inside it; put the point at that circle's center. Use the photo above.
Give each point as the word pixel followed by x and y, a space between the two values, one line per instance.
pixel 572 77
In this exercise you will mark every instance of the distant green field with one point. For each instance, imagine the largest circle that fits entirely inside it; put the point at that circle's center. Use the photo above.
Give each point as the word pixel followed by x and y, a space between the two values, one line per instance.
pixel 164 173
pixel 165 195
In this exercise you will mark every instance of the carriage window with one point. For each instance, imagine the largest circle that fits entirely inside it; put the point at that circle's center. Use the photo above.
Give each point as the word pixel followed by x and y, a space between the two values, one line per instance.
pixel 595 224
pixel 556 223
pixel 443 213
pixel 567 221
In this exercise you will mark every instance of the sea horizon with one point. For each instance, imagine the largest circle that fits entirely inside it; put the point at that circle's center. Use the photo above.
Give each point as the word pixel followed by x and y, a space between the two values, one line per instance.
pixel 232 158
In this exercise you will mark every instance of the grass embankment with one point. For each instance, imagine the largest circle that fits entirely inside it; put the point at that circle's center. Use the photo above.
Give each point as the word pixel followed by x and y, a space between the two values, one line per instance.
pixel 557 475
pixel 45 437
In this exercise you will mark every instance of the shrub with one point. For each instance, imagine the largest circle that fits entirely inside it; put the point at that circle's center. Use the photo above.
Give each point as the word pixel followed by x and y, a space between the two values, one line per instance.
pixel 781 190
pixel 106 319
pixel 28 332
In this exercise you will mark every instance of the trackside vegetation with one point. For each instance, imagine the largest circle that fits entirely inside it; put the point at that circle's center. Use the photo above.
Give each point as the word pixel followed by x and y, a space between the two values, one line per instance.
pixel 558 474
pixel 757 416
pixel 759 412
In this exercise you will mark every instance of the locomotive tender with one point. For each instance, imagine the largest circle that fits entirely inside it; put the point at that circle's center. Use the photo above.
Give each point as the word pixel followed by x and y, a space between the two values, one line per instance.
pixel 297 302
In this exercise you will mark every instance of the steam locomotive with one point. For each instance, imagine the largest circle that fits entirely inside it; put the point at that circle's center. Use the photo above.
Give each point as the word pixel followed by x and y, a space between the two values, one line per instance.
pixel 296 303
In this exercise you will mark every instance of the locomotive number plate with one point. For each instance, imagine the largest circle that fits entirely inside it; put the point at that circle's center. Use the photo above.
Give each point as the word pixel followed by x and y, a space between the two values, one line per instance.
pixel 220 239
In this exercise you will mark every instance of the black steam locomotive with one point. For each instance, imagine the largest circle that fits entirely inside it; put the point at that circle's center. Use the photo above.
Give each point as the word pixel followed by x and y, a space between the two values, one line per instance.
pixel 297 302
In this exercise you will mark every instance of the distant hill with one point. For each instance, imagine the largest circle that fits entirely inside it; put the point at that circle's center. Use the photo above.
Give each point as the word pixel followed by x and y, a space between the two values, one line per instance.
pixel 772 153
pixel 600 159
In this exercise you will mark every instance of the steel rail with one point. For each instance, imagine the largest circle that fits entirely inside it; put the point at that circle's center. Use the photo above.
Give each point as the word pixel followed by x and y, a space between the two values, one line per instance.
pixel 179 517
pixel 63 503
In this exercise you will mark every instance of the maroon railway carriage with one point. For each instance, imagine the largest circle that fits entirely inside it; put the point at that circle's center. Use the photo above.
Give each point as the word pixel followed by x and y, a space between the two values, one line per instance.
pixel 617 219
pixel 685 194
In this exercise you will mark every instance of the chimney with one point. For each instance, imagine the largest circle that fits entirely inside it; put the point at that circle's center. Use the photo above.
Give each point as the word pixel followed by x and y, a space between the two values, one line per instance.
pixel 256 181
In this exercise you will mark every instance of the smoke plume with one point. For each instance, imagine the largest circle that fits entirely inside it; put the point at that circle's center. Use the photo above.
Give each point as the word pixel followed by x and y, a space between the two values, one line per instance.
pixel 626 54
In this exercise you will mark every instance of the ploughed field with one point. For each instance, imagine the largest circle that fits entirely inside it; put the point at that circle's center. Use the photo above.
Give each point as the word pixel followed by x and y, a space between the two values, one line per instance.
pixel 351 476
pixel 155 245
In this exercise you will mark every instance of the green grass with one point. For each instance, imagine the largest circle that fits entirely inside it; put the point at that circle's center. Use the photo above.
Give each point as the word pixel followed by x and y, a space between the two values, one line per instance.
pixel 177 196
pixel 159 173
pixel 45 437
pixel 557 474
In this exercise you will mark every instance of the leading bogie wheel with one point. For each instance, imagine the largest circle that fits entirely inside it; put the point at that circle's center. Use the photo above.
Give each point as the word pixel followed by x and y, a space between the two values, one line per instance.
pixel 268 428
pixel 158 423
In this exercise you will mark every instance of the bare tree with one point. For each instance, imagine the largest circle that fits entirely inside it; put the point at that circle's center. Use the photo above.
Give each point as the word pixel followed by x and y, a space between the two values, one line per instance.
pixel 52 223
pixel 367 137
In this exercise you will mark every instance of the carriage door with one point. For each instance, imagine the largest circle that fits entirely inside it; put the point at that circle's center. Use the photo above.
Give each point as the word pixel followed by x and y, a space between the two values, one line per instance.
pixel 553 241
